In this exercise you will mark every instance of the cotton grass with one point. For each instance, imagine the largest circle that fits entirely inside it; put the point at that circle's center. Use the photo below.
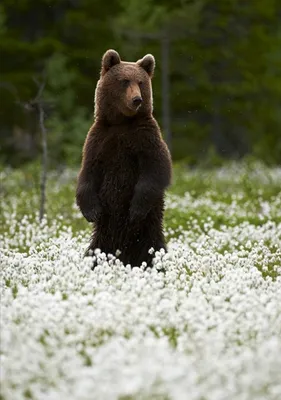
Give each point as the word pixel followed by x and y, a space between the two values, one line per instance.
pixel 208 327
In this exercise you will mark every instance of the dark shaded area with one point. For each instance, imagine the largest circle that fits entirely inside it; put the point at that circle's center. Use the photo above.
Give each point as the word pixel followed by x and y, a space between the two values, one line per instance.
pixel 217 86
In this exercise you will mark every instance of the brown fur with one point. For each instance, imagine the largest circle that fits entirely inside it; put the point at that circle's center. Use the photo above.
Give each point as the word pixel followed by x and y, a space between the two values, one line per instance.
pixel 126 165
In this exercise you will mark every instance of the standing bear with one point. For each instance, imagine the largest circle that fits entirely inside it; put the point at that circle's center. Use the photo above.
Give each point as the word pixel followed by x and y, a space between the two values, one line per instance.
pixel 126 165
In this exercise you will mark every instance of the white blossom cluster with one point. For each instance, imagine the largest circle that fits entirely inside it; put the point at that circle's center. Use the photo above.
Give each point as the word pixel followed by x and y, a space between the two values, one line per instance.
pixel 207 328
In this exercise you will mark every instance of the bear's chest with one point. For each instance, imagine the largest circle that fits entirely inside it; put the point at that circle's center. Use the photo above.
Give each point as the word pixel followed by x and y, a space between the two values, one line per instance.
pixel 116 154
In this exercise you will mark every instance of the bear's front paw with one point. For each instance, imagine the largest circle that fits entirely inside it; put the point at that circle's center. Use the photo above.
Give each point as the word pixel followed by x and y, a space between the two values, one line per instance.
pixel 137 215
pixel 94 214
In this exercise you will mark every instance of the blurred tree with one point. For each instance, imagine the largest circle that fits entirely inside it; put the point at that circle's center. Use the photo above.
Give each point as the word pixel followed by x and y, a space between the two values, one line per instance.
pixel 66 129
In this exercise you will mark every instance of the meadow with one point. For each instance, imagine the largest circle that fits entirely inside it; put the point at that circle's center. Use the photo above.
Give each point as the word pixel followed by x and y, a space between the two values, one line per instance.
pixel 206 327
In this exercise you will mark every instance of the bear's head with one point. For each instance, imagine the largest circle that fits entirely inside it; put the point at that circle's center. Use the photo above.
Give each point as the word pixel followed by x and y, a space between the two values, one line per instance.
pixel 124 88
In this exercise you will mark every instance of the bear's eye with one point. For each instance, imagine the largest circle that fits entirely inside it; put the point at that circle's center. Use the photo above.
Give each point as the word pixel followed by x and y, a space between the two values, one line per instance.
pixel 140 83
pixel 126 82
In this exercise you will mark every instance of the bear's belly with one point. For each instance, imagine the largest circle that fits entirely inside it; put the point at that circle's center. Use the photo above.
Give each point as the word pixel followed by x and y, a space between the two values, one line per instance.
pixel 118 186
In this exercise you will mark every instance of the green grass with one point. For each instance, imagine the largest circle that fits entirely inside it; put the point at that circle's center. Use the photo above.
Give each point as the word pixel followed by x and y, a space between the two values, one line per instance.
pixel 197 201
pixel 22 187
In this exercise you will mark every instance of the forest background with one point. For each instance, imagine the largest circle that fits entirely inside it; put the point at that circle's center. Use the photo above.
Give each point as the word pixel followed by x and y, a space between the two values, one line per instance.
pixel 217 86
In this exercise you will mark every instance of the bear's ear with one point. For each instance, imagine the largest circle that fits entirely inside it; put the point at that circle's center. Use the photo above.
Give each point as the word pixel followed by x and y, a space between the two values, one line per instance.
pixel 109 59
pixel 148 64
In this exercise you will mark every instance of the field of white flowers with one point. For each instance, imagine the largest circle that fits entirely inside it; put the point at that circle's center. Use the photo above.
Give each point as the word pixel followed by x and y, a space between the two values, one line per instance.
pixel 208 328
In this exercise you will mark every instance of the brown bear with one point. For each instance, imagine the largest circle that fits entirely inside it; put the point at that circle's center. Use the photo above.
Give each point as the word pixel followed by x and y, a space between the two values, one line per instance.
pixel 126 165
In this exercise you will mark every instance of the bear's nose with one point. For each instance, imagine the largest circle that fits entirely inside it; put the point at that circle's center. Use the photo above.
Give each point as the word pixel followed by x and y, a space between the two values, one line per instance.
pixel 137 101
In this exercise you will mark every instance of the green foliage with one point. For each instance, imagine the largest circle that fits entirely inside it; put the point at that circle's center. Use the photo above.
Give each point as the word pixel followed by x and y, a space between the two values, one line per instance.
pixel 67 130
pixel 67 136
pixel 149 16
